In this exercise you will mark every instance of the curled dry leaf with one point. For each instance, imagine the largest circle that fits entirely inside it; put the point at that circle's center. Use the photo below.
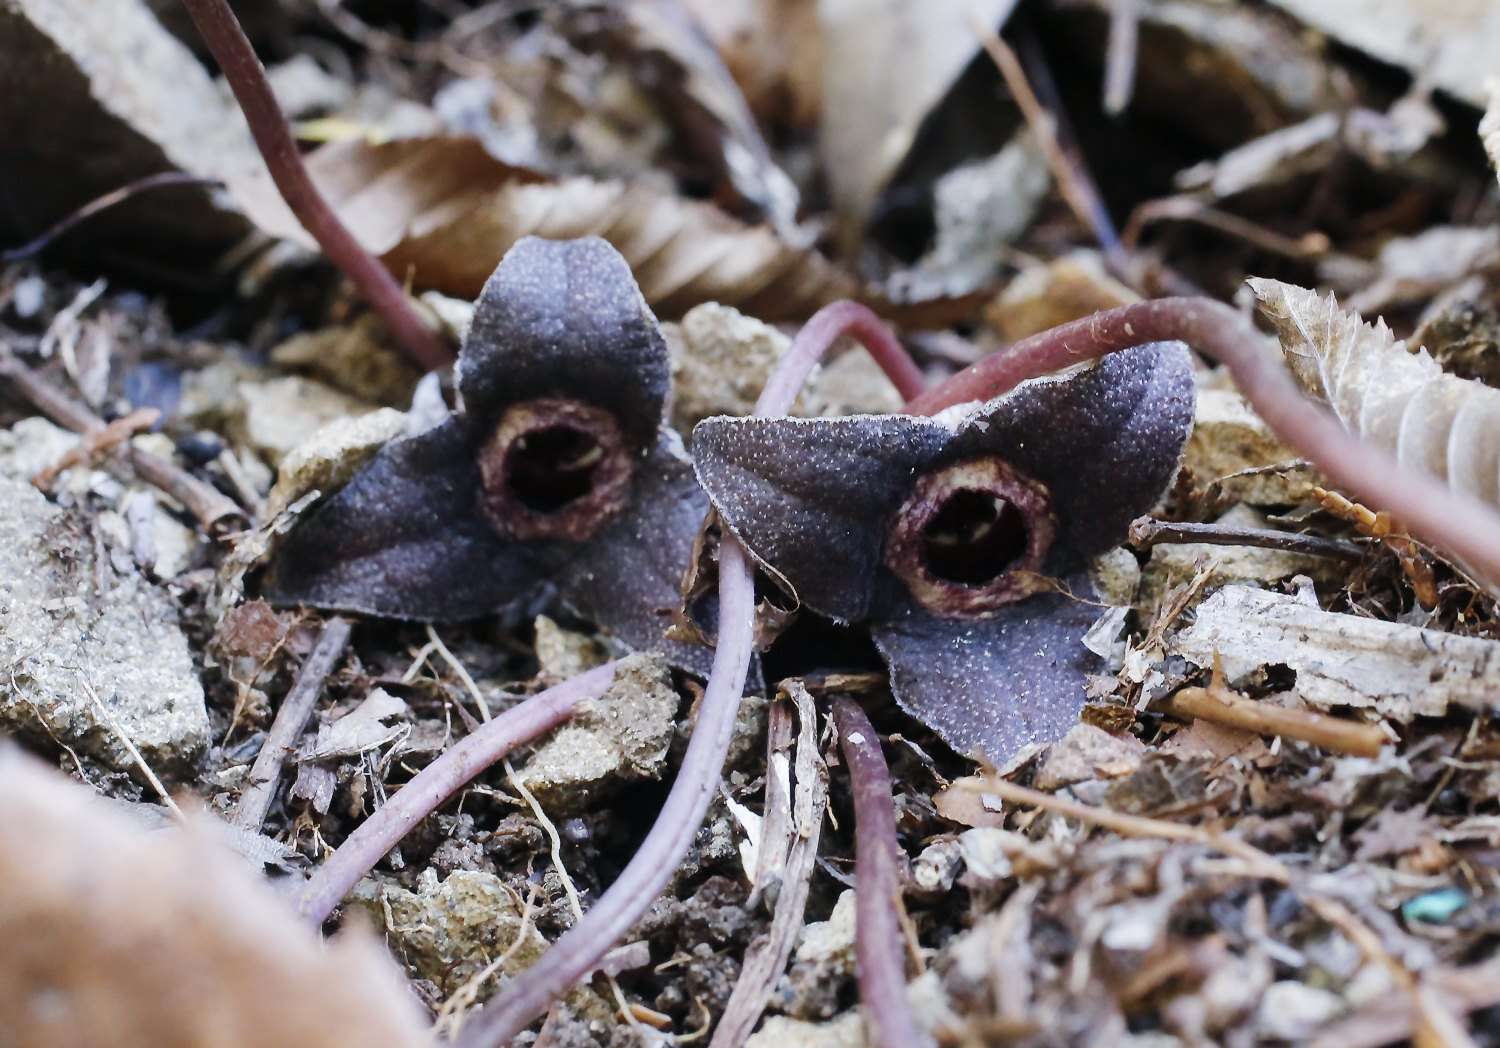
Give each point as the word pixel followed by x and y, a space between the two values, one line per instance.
pixel 444 211
pixel 1397 400
pixel 163 938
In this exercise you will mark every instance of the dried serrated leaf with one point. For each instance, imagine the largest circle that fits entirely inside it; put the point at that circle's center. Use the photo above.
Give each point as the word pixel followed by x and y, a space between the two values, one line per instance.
pixel 123 936
pixel 444 211
pixel 1397 400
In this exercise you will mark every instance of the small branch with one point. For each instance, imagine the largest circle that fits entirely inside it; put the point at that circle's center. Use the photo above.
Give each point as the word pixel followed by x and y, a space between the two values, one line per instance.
pixel 879 944
pixel 440 780
pixel 1191 209
pixel 108 200
pixel 1139 826
pixel 213 510
pixel 247 78
pixel 821 331
pixel 1222 706
pixel 291 721
pixel 1146 532
pixel 1077 190
pixel 95 443
pixel 1450 520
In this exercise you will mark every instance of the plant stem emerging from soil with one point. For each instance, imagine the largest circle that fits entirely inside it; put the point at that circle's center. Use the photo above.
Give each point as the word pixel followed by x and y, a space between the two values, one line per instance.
pixel 1451 520
pixel 247 78
pixel 821 331
pixel 440 780
pixel 579 950
pixel 879 944
pixel 291 720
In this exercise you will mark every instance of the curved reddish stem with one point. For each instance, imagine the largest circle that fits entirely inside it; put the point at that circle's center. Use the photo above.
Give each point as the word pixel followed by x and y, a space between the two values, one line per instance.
pixel 580 950
pixel 1451 520
pixel 440 780
pixel 820 332
pixel 879 944
pixel 247 78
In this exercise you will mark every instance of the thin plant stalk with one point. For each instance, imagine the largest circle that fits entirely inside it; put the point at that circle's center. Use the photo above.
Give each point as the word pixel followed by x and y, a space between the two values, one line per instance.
pixel 821 331
pixel 879 943
pixel 247 78
pixel 580 950
pixel 1450 520
pixel 584 945
pixel 440 780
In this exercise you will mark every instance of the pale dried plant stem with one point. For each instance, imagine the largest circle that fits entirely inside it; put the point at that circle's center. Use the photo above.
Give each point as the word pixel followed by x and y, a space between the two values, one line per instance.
pixel 1222 706
pixel 130 747
pixel 440 780
pixel 212 509
pixel 230 47
pixel 1455 522
pixel 290 722
pixel 879 943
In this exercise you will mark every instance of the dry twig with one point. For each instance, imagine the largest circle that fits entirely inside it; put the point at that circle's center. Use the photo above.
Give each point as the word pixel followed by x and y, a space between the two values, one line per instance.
pixel 212 509
pixel 291 720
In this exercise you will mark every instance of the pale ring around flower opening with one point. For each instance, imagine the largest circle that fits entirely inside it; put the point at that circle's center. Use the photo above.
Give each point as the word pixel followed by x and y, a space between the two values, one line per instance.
pixel 972 537
pixel 554 469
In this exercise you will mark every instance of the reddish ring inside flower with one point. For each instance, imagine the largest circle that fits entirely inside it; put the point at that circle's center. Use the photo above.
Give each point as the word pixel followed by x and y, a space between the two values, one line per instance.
pixel 554 469
pixel 971 537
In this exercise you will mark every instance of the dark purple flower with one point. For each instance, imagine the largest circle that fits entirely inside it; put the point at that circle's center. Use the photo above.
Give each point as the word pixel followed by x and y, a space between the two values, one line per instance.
pixel 962 540
pixel 556 470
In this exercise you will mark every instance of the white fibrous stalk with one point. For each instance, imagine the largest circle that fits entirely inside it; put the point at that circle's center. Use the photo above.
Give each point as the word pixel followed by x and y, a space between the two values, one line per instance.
pixel 1382 391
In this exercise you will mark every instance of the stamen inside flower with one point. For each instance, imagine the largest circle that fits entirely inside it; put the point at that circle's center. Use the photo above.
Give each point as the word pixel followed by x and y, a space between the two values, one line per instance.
pixel 554 469
pixel 971 537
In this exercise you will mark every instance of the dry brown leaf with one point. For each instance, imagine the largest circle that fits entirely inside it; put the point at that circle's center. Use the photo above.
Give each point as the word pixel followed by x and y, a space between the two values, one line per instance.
pixel 1395 399
pixel 774 50
pixel 162 938
pixel 886 65
pixel 1451 42
pixel 441 212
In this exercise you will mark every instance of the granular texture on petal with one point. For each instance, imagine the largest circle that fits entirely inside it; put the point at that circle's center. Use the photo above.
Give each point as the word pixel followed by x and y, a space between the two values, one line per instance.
pixel 406 539
pixel 564 319
pixel 1106 440
pixel 811 498
pixel 628 578
pixel 993 685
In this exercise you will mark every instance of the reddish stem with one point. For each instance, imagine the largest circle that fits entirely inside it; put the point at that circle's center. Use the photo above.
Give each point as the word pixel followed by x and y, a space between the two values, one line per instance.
pixel 247 78
pixel 1459 523
pixel 440 780
pixel 580 950
pixel 879 943
pixel 821 331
